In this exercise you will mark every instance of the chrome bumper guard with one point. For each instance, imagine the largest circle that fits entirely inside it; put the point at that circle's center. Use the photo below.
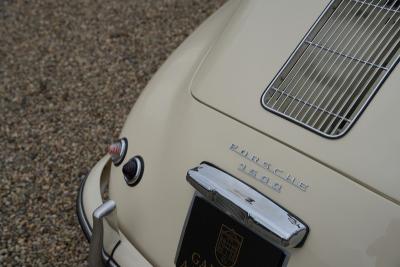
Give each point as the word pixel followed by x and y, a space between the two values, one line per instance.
pixel 97 254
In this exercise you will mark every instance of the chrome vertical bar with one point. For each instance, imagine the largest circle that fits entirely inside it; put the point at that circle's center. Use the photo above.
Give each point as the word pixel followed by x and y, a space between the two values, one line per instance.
pixel 96 241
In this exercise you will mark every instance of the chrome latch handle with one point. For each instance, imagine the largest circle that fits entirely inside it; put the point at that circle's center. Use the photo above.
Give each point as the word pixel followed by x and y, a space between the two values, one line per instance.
pixel 248 206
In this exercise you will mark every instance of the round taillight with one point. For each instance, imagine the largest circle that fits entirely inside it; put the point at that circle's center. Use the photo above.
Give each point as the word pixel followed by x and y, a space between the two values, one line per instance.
pixel 117 151
pixel 133 170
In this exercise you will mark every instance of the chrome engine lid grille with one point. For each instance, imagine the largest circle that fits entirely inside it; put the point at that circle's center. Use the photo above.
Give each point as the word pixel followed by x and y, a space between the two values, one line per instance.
pixel 338 67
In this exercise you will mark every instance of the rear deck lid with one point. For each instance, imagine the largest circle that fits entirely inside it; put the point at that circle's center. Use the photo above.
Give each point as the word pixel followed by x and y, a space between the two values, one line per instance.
pixel 260 72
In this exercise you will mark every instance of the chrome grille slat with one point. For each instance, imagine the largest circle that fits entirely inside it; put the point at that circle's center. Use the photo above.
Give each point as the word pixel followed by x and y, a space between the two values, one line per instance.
pixel 345 67
pixel 338 66
pixel 358 71
pixel 311 105
pixel 304 61
pixel 318 69
pixel 348 56
pixel 385 8
pixel 351 106
pixel 354 40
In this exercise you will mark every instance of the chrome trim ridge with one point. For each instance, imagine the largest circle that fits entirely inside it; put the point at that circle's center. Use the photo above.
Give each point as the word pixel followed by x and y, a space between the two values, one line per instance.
pixel 86 228
pixel 248 206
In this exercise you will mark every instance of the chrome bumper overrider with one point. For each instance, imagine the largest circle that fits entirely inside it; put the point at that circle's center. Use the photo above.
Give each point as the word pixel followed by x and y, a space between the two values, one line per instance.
pixel 87 229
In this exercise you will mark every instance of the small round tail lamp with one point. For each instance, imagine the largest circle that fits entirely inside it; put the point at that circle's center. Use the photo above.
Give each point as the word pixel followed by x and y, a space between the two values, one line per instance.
pixel 117 151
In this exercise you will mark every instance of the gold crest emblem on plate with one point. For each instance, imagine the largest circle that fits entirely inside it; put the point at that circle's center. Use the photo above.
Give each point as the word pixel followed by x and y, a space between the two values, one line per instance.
pixel 228 246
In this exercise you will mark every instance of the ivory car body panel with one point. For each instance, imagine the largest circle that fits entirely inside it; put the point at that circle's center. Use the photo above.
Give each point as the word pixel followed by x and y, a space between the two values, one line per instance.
pixel 202 134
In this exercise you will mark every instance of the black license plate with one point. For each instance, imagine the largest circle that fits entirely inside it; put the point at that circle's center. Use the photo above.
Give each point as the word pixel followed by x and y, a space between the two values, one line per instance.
pixel 213 239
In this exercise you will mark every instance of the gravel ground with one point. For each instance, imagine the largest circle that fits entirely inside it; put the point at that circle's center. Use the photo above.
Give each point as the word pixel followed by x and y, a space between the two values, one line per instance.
pixel 70 71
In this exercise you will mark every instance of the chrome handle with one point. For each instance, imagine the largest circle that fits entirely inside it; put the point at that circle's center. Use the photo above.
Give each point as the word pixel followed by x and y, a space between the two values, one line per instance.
pixel 248 206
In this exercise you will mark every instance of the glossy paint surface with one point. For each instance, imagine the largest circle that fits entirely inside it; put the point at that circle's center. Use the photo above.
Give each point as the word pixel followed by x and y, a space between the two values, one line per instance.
pixel 181 120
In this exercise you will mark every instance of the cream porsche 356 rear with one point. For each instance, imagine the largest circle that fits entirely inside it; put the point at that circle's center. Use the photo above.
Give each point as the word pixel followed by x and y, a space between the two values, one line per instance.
pixel 270 137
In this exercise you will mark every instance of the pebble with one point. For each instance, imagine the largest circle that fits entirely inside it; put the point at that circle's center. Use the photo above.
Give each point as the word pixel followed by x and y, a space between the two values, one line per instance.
pixel 64 68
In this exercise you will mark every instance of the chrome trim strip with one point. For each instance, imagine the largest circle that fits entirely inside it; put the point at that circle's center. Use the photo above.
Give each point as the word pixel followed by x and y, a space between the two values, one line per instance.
pixel 139 168
pixel 248 206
